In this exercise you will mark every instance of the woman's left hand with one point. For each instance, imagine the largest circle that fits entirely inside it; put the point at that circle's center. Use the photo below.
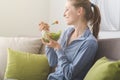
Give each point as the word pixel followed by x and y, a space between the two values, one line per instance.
pixel 52 43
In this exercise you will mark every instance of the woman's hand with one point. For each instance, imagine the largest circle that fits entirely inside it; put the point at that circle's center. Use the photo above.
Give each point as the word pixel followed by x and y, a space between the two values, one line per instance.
pixel 52 43
pixel 43 26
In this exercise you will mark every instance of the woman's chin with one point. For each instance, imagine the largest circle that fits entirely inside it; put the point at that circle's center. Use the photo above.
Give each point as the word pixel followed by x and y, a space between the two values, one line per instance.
pixel 68 23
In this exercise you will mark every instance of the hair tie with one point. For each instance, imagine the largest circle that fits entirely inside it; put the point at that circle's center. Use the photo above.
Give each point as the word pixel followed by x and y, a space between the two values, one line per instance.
pixel 91 4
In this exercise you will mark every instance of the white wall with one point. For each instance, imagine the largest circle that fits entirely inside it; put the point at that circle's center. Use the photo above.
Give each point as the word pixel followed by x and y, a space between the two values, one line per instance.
pixel 109 34
pixel 56 12
pixel 21 17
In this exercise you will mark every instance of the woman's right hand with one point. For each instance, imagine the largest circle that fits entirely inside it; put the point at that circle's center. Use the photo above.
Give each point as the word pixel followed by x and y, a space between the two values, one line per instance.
pixel 43 26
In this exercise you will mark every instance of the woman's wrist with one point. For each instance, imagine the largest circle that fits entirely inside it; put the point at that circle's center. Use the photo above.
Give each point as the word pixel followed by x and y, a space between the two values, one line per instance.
pixel 57 47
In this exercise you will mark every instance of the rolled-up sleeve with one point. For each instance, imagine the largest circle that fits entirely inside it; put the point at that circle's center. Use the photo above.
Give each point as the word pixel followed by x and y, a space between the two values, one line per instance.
pixel 51 55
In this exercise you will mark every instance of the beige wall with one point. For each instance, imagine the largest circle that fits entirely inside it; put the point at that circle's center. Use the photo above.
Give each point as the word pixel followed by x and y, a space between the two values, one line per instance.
pixel 56 12
pixel 21 17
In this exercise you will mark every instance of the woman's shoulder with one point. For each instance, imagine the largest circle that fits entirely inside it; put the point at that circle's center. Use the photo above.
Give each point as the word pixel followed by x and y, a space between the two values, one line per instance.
pixel 68 29
pixel 91 40
pixel 65 32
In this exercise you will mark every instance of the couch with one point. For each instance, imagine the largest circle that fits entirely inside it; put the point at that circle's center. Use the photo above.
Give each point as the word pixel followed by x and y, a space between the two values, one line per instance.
pixel 107 47
pixel 26 44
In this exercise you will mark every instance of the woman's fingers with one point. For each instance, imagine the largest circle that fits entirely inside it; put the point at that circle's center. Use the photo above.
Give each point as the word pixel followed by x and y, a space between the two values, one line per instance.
pixel 44 42
pixel 48 36
pixel 43 26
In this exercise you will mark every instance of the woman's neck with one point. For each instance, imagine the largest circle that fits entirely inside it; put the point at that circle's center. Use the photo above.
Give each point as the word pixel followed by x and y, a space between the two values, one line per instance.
pixel 79 29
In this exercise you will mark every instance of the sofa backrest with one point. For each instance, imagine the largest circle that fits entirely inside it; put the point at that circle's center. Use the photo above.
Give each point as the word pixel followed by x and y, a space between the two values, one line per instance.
pixel 25 44
pixel 109 48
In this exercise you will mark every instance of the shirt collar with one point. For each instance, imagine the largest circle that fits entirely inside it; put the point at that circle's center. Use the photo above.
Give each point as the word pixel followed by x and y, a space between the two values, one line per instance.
pixel 86 33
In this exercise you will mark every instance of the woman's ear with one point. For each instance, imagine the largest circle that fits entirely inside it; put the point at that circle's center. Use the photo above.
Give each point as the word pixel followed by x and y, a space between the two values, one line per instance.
pixel 80 10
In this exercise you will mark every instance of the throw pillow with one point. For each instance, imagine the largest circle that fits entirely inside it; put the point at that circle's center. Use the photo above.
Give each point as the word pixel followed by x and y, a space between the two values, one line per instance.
pixel 104 69
pixel 26 66
pixel 25 44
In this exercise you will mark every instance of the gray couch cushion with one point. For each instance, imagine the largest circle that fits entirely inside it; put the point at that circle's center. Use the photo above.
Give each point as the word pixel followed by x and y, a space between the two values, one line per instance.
pixel 26 44
pixel 109 48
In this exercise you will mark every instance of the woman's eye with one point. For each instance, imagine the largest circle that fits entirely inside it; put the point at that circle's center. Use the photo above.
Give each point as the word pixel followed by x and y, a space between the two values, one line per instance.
pixel 66 9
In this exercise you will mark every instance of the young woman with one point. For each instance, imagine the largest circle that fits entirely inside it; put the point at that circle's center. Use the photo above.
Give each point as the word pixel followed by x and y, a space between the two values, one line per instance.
pixel 74 53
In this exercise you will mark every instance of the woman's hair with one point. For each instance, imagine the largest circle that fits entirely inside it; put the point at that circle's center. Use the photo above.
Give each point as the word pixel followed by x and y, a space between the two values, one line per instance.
pixel 92 14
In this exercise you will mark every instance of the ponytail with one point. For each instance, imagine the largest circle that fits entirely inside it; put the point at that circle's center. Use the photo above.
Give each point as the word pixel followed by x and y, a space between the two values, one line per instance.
pixel 90 15
pixel 95 20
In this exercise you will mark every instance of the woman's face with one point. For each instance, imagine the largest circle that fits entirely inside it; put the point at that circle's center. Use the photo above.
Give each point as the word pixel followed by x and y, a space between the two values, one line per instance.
pixel 70 13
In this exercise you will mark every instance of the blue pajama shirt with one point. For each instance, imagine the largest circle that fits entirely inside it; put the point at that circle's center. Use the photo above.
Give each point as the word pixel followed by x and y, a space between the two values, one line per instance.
pixel 74 60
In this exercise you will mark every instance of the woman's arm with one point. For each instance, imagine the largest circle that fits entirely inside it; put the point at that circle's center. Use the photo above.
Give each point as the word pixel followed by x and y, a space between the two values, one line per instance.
pixel 51 55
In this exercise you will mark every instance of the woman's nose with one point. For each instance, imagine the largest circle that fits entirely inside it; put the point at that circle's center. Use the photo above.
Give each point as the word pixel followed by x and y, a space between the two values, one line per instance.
pixel 64 14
